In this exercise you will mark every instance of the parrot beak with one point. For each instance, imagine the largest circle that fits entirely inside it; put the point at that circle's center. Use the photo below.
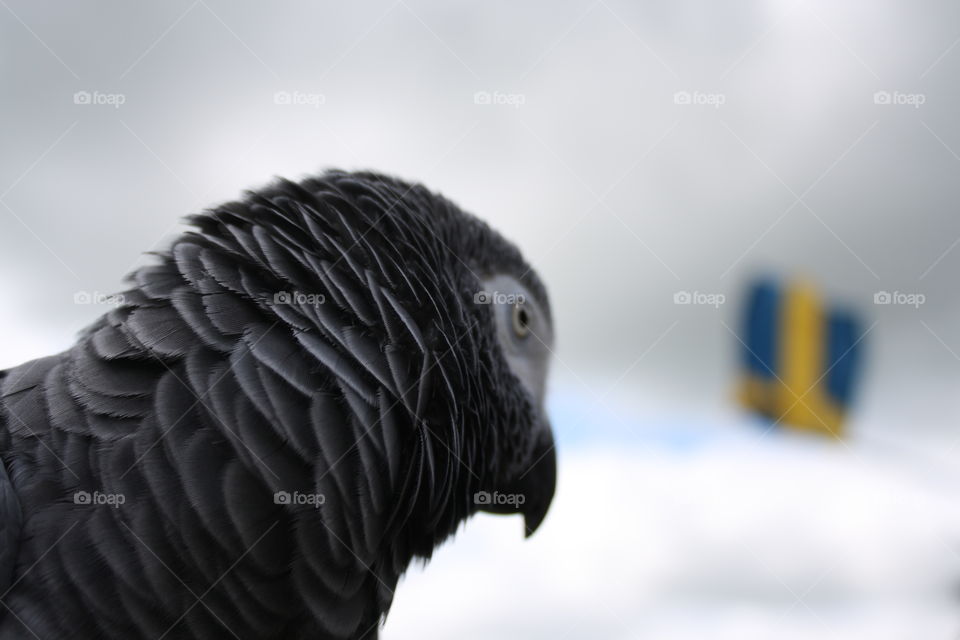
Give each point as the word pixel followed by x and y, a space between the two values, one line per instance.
pixel 539 484
pixel 531 493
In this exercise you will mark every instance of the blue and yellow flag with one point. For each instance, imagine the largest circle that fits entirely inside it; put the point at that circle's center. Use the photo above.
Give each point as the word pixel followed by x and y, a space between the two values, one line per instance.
pixel 800 359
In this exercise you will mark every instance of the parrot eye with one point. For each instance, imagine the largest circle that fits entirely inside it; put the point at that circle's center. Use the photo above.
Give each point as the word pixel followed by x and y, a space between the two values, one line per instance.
pixel 521 321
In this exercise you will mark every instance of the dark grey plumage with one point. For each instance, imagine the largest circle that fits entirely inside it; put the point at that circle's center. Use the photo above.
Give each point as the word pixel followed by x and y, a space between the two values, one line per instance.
pixel 224 379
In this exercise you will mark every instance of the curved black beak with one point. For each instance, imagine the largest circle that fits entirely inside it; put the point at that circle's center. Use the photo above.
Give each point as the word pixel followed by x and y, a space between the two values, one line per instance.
pixel 532 491
pixel 539 484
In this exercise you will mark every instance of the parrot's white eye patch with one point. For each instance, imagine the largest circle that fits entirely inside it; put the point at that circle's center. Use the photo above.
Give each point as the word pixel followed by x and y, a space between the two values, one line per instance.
pixel 522 328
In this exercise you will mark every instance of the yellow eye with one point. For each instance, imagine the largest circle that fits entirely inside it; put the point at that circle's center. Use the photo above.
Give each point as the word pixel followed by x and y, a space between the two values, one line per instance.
pixel 521 321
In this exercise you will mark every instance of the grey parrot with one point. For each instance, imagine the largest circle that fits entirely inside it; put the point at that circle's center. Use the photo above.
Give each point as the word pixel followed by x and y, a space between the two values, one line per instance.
pixel 314 386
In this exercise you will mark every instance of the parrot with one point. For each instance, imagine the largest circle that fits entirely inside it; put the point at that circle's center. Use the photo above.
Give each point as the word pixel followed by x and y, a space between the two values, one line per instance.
pixel 312 387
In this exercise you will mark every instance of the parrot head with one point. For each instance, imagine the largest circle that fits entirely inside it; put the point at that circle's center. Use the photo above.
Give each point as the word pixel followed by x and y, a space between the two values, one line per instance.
pixel 490 322
pixel 483 312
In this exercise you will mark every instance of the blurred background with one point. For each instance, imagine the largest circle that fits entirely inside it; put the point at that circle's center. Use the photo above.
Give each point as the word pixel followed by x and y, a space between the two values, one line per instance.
pixel 652 160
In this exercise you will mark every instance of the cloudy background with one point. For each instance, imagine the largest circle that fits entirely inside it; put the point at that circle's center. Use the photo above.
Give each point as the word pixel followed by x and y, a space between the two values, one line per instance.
pixel 565 125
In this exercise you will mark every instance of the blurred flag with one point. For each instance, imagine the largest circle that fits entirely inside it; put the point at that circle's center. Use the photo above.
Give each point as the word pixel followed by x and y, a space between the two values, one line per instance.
pixel 800 358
